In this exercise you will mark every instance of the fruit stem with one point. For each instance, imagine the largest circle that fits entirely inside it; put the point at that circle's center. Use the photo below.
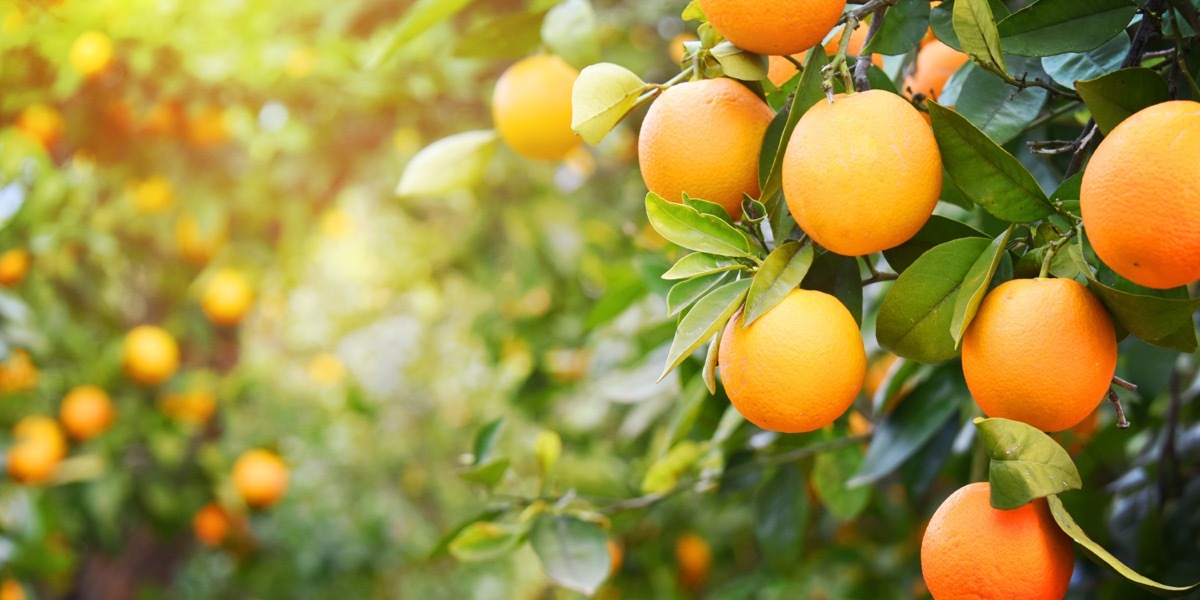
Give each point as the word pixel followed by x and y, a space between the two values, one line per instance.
pixel 862 67
pixel 1052 249
pixel 1121 422
pixel 1125 384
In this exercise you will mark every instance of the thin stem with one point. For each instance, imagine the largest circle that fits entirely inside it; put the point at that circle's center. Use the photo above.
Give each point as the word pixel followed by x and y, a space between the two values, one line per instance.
pixel 861 82
pixel 1050 116
pixel 1116 401
pixel 795 62
pixel 1082 144
pixel 1052 249
pixel 1125 384
pixel 880 277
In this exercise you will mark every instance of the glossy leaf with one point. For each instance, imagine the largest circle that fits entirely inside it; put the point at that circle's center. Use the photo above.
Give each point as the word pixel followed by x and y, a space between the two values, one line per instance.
pixel 738 63
pixel 684 293
pixel 1150 314
pixel 1026 464
pixel 808 93
pixel 1070 67
pixel 975 27
pixel 708 316
pixel 903 28
pixel 1112 98
pixel 1049 27
pixel 705 207
pixel 839 277
pixel 830 473
pixel 448 165
pixel 941 20
pixel 992 105
pixel 780 273
pixel 976 284
pixel 687 227
pixel 573 552
pixel 699 263
pixel 603 94
pixel 937 230
pixel 781 517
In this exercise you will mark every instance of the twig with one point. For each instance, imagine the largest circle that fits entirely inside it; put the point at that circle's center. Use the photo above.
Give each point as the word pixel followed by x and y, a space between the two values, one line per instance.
pixel 1052 249
pixel 880 277
pixel 1121 422
pixel 867 8
pixel 1125 384
pixel 861 82
pixel 1050 116
pixel 1190 14
pixel 1082 144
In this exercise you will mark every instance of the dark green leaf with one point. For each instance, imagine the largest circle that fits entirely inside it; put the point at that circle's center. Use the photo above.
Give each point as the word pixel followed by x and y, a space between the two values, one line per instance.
pixel 839 277
pixel 709 315
pixel 1049 27
pixel 992 105
pixel 699 263
pixel 781 516
pixel 780 273
pixel 485 440
pixel 902 29
pixel 1152 315
pixel 574 553
pixel 1068 68
pixel 1114 97
pixel 684 225
pixel 1025 463
pixel 684 293
pixel 830 472
pixel 975 27
pixel 485 540
pixel 976 284
pixel 937 230
pixel 808 93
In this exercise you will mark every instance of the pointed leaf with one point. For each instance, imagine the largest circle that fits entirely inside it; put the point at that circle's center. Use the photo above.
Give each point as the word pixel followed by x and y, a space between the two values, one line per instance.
pixel 485 440
pixel 708 316
pixel 1152 315
pixel 603 94
pixel 687 227
pixel 975 285
pixel 780 273
pixel 1049 27
pixel 573 552
pixel 684 293
pixel 698 263
pixel 485 540
pixel 991 105
pixel 738 63
pixel 448 165
pixel 975 27
pixel 709 374
pixel 1112 98
pixel 808 93
pixel 1026 464
pixel 937 230
pixel 903 28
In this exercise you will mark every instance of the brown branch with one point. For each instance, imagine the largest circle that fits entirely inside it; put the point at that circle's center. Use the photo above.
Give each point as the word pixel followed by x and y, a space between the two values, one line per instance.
pixel 1121 422
pixel 861 68
pixel 1125 384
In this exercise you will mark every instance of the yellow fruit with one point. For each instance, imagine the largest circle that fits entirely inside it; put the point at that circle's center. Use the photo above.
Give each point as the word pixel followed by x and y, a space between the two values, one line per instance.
pixel 153 194
pixel 1140 198
pixel 39 447
pixel 796 368
pixel 211 525
pixel 531 107
pixel 42 123
pixel 971 550
pixel 936 62
pixel 18 373
pixel 703 138
pixel 693 558
pixel 150 356
pixel 773 26
pixel 91 53
pixel 14 266
pixel 1041 351
pixel 195 405
pixel 199 242
pixel 260 477
pixel 227 297
pixel 823 172
pixel 86 412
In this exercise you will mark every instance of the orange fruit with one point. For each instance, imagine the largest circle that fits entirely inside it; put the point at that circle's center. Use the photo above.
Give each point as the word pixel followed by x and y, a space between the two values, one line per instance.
pixel 703 138
pixel 91 53
pixel 615 556
pixel 11 590
pixel 840 209
pixel 693 558
pixel 150 356
pixel 780 69
pixel 971 550
pixel 676 49
pixel 227 297
pixel 38 447
pixel 796 368
pixel 86 412
pixel 531 107
pixel 14 266
pixel 773 26
pixel 153 194
pixel 195 405
pixel 1041 351
pixel 199 240
pixel 936 62
pixel 18 373
pixel 42 123
pixel 206 127
pixel 260 477
pixel 211 525
pixel 1140 201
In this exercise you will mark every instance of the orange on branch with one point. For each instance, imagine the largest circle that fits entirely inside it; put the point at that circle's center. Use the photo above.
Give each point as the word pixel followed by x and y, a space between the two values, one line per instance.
pixel 211 524
pixel 150 355
pixel 91 53
pixel 39 447
pixel 773 26
pixel 86 412
pixel 260 477
pixel 227 297
pixel 14 266
pixel 531 107
pixel 936 62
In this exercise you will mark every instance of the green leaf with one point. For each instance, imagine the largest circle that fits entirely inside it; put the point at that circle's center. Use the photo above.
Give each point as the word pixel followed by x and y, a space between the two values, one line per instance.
pixel 916 315
pixel 443 545
pixel 780 273
pixel 976 283
pixel 830 472
pixel 839 277
pixel 570 31
pixel 709 373
pixel 509 36
pixel 693 12
pixel 684 293
pixel 1026 464
pixel 903 28
pixel 1100 556
pixel 1050 27
pixel 941 20
pixel 781 517
pixel 448 165
pixel 705 207
pixel 1069 190
pixel 808 93
pixel 991 105
pixel 937 230
pixel 709 315
pixel 485 540
pixel 985 172
pixel 422 15
pixel 603 94
pixel 1068 68
pixel 699 263
pixel 687 227
pixel 738 63
pixel 574 553
pixel 488 474
pixel 1112 98
pixel 975 27
pixel 1152 315
pixel 663 475
pixel 485 440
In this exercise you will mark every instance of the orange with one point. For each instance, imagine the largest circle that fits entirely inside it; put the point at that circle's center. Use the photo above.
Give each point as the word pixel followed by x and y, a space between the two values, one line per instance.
pixel 227 297
pixel 773 26
pixel 39 447
pixel 877 372
pixel 260 477
pixel 615 556
pixel 971 550
pixel 211 525
pixel 86 412
pixel 91 53
pixel 676 49
pixel 824 165
pixel 18 373
pixel 796 368
pixel 42 123
pixel 703 138
pixel 150 356
pixel 199 240
pixel 153 194
pixel 195 405
pixel 14 266
pixel 206 127
pixel 1140 199
pixel 693 558
pixel 1041 351
pixel 936 62
pixel 11 590
pixel 531 107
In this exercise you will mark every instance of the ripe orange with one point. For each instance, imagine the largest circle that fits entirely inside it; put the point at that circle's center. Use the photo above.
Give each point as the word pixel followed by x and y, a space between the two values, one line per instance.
pixel 1041 351
pixel 936 62
pixel 14 266
pixel 11 590
pixel 199 240
pixel 531 107
pixel 796 368
pixel 86 412
pixel 703 138
pixel 227 297
pixel 91 53
pixel 824 165
pixel 773 26
pixel 971 550
pixel 693 558
pixel 260 477
pixel 38 447
pixel 153 194
pixel 151 355
pixel 615 556
pixel 1140 201
pixel 194 405
pixel 18 373
pixel 211 525
pixel 42 123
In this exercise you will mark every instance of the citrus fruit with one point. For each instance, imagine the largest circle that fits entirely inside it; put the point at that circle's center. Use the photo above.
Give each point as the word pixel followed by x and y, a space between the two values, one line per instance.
pixel 206 127
pixel 703 138
pixel 260 477
pixel 1140 201
pixel 773 26
pixel 38 447
pixel 971 550
pixel 11 590
pixel 195 405
pixel 42 123
pixel 91 53
pixel 798 367
pixel 86 412
pixel 865 191
pixel 227 297
pixel 211 525
pixel 693 557
pixel 18 373
pixel 150 356
pixel 199 240
pixel 14 266
pixel 153 194
pixel 936 62
pixel 1040 351
pixel 531 107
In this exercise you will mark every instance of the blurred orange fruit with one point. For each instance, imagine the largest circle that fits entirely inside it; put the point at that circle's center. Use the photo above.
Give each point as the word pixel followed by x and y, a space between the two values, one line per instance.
pixel 1040 351
pixel 11 590
pixel 150 355
pixel 703 138
pixel 211 525
pixel 14 266
pixel 615 556
pixel 227 296
pixel 91 53
pixel 18 373
pixel 42 123
pixel 675 47
pixel 773 26
pixel 200 240
pixel 877 371
pixel 531 107
pixel 796 368
pixel 195 405
pixel 153 194
pixel 936 62
pixel 260 477
pixel 206 127
pixel 38 447
pixel 86 412
pixel 693 559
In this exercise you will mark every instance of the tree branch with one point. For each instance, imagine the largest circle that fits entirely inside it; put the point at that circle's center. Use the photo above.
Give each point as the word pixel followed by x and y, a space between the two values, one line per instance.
pixel 1121 422
pixel 861 82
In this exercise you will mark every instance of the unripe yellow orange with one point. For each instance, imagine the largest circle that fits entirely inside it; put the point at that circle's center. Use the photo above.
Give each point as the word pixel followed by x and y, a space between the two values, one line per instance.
pixel 91 53
pixel 195 405
pixel 14 266
pixel 260 477
pixel 773 26
pixel 531 107
pixel 227 297
pixel 86 412
pixel 150 356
